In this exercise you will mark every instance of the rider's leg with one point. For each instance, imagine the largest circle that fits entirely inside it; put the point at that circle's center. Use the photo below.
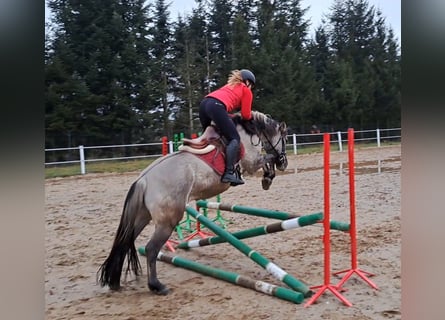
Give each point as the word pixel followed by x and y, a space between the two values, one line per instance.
pixel 215 110
pixel 232 155
pixel 204 116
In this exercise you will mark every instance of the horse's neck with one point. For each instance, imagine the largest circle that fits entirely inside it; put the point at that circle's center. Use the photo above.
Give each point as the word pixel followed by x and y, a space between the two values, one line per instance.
pixel 251 143
pixel 253 159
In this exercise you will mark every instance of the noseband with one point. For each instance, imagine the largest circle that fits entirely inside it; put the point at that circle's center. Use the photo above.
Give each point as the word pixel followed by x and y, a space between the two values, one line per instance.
pixel 279 156
pixel 259 129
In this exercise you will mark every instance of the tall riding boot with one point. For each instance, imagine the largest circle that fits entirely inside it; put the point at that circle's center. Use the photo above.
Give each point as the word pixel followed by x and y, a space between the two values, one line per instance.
pixel 232 152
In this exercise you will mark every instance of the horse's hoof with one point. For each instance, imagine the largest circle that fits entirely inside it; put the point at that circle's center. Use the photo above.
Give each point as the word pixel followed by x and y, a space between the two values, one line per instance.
pixel 159 290
pixel 266 182
pixel 115 287
pixel 163 292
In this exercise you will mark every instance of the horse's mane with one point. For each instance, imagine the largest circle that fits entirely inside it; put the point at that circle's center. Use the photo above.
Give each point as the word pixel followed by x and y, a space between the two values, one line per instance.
pixel 260 122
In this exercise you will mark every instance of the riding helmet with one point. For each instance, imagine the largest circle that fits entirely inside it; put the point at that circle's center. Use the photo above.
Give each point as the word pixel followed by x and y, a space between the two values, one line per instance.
pixel 247 75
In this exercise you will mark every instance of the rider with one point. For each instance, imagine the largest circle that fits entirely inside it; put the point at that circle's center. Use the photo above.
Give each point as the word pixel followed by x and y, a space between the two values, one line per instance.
pixel 233 96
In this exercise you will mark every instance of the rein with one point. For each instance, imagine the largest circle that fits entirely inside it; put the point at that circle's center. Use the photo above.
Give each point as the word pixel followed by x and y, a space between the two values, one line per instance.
pixel 260 131
pixel 280 156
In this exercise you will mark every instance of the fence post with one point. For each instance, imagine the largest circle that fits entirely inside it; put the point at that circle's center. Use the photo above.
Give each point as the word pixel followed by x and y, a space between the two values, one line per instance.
pixel 175 142
pixel 378 137
pixel 164 145
pixel 294 141
pixel 82 159
pixel 340 146
pixel 170 147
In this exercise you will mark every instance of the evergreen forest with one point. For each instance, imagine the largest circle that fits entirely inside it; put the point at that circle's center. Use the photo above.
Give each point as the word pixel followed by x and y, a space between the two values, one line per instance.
pixel 127 72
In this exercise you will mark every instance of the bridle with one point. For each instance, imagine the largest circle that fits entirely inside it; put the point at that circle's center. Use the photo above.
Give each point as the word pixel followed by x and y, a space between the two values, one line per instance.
pixel 280 156
pixel 274 159
pixel 271 149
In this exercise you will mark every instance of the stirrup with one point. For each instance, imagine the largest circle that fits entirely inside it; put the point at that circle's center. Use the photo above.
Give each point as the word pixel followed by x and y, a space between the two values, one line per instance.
pixel 234 184
pixel 237 174
pixel 232 178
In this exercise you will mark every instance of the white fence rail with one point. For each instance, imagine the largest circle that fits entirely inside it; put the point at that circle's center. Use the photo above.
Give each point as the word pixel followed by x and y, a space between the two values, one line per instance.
pixel 296 141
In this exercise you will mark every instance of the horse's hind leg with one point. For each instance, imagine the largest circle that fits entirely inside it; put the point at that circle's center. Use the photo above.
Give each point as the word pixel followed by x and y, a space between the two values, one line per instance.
pixel 159 238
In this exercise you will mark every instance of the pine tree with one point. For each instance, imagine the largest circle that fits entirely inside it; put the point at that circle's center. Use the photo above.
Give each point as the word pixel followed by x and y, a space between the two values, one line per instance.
pixel 242 53
pixel 121 71
pixel 386 66
pixel 162 73
pixel 358 36
pixel 287 83
pixel 192 67
pixel 95 57
pixel 220 40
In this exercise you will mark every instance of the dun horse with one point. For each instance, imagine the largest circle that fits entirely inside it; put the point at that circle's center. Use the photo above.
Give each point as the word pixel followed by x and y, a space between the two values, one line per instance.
pixel 165 187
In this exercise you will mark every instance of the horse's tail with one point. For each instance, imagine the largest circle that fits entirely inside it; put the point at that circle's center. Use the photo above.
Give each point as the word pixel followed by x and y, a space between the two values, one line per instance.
pixel 123 245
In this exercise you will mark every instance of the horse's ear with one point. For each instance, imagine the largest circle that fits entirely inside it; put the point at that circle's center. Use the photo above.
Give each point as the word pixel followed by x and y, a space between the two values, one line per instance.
pixel 283 127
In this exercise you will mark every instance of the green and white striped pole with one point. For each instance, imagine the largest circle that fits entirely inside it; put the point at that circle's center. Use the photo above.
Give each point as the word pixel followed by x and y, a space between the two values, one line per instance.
pixel 270 267
pixel 335 225
pixel 246 210
pixel 271 228
pixel 232 277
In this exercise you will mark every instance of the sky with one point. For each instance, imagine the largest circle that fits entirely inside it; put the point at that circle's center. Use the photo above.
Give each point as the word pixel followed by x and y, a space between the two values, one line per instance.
pixel 391 10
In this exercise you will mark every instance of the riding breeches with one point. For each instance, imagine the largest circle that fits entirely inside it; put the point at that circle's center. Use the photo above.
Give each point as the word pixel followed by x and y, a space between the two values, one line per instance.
pixel 213 109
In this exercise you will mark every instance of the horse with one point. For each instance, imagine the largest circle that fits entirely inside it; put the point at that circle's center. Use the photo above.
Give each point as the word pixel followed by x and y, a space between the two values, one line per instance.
pixel 163 189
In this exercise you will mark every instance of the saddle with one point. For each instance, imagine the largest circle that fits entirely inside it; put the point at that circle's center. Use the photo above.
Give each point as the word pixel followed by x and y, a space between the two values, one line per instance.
pixel 203 144
pixel 209 147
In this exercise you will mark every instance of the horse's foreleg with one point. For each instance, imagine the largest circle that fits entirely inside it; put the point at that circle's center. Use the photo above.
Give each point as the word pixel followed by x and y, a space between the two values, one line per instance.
pixel 159 238
pixel 268 175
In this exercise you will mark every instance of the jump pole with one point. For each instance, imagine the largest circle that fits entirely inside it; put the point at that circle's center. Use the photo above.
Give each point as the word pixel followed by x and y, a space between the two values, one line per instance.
pixel 271 228
pixel 232 277
pixel 279 215
pixel 246 210
pixel 326 236
pixel 270 267
pixel 353 231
